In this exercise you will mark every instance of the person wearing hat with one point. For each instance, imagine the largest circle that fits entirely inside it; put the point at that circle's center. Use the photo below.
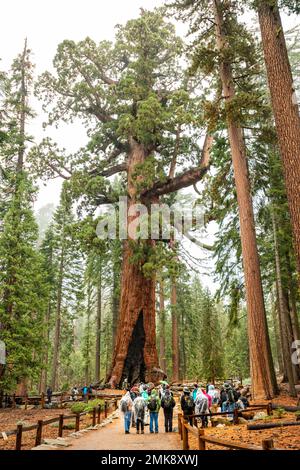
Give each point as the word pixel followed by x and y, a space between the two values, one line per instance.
pixel 195 391
pixel 167 404
pixel 187 404
pixel 227 400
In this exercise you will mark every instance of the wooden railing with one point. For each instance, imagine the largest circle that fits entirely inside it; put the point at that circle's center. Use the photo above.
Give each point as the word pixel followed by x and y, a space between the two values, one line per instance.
pixel 39 426
pixel 185 428
pixel 40 400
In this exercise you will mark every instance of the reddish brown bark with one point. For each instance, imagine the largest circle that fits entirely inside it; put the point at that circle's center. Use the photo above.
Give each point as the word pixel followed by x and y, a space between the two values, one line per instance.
pixel 135 355
pixel 175 339
pixel 262 369
pixel 162 327
pixel 285 108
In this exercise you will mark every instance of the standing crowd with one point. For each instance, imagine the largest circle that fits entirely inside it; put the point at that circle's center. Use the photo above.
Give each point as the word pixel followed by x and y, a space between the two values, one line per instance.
pixel 212 400
pixel 142 403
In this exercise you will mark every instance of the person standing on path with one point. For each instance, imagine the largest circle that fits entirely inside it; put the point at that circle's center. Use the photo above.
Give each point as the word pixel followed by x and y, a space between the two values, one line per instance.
pixel 126 408
pixel 154 407
pixel 167 404
pixel 49 394
pixel 187 405
pixel 139 406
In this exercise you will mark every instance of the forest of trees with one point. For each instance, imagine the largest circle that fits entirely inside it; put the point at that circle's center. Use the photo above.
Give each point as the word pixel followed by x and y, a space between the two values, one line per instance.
pixel 209 120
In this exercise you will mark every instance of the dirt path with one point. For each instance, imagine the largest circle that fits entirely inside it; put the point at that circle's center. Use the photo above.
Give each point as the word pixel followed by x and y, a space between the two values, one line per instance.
pixel 112 437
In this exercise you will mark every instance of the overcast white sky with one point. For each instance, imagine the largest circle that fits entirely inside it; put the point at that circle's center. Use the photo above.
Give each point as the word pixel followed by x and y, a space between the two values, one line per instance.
pixel 46 23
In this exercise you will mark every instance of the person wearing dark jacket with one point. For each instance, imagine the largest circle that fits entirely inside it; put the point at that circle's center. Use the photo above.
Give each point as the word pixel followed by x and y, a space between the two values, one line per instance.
pixel 167 404
pixel 49 394
pixel 187 405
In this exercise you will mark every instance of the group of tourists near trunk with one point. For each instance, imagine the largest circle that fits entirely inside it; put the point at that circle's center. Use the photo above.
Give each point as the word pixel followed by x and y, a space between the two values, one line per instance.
pixel 142 403
pixel 203 402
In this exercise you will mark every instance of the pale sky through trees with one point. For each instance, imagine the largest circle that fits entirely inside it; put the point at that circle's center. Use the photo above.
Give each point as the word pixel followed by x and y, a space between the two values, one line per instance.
pixel 48 22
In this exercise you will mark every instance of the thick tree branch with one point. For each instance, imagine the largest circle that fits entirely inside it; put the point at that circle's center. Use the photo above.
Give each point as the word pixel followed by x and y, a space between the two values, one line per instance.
pixel 186 179
pixel 110 171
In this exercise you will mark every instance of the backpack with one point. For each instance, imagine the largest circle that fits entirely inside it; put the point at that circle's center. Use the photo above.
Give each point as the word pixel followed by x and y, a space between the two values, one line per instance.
pixel 230 396
pixel 168 401
pixel 124 406
pixel 189 402
pixel 152 404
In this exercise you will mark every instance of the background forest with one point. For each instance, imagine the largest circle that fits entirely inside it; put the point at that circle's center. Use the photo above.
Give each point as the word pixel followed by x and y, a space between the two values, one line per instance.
pixel 60 284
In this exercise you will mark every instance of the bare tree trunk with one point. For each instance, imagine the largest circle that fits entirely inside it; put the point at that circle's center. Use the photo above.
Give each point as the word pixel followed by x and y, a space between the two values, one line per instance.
pixel 44 371
pixel 285 108
pixel 275 320
pixel 56 344
pixel 283 315
pixel 98 327
pixel 175 338
pixel 88 335
pixel 262 369
pixel 135 355
pixel 162 327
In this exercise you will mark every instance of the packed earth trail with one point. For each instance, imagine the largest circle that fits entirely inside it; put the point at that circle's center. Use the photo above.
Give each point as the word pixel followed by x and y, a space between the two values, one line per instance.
pixel 112 437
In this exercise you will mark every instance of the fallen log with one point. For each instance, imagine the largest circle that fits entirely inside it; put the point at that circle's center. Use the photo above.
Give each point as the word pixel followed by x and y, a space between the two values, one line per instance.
pixel 286 408
pixel 255 427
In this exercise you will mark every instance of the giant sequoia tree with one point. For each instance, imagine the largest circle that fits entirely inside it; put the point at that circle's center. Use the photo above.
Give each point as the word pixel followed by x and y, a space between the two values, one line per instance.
pixel 141 116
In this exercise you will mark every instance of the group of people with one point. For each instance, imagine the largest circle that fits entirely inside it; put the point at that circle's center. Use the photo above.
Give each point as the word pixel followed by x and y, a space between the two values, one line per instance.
pixel 141 405
pixel 212 400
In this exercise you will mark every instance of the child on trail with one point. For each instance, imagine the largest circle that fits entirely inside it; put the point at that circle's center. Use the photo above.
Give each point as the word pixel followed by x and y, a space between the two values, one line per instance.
pixel 187 404
pixel 139 406
pixel 126 408
pixel 154 407
pixel 168 403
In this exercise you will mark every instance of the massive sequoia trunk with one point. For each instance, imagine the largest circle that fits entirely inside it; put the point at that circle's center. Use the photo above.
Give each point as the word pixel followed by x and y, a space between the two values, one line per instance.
pixel 135 355
pixel 285 108
pixel 262 369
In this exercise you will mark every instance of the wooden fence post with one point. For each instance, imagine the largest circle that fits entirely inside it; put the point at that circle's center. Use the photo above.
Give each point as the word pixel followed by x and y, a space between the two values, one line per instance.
pixel 61 399
pixel 268 444
pixel 201 442
pixel 77 422
pixel 60 425
pixel 116 404
pixel 105 409
pixel 180 424
pixel 39 429
pixel 26 401
pixel 42 400
pixel 19 436
pixel 99 414
pixel 185 435
pixel 235 416
pixel 14 401
pixel 94 416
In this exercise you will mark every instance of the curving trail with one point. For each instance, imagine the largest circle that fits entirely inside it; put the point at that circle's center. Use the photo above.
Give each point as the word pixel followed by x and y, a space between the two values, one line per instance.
pixel 112 437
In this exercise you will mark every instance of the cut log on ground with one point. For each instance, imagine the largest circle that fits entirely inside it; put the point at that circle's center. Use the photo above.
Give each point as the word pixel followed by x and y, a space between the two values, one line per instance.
pixel 255 427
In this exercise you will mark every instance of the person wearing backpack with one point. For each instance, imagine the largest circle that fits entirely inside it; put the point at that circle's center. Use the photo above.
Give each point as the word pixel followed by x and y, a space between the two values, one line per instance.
pixel 187 405
pixel 167 404
pixel 126 408
pixel 139 406
pixel 153 407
